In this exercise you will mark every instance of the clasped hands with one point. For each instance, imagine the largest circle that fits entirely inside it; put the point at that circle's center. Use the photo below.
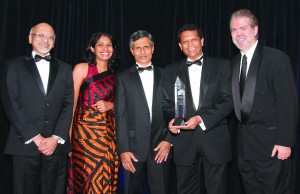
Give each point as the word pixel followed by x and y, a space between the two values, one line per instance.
pixel 191 124
pixel 46 145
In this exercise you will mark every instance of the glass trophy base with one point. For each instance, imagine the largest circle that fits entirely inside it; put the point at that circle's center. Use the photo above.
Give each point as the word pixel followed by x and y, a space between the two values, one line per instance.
pixel 179 122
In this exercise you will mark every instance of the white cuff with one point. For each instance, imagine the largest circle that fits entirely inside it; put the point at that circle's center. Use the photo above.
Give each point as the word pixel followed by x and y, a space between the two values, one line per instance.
pixel 202 125
pixel 31 140
pixel 59 139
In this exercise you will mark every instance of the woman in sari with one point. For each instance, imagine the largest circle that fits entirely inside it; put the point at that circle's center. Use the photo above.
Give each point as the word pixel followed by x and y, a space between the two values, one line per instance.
pixel 94 157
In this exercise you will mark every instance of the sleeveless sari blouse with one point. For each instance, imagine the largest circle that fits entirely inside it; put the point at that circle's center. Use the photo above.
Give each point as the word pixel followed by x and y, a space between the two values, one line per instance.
pixel 97 86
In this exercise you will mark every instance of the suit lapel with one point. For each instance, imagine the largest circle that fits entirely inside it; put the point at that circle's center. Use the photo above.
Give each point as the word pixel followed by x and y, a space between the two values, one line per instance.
pixel 138 83
pixel 29 62
pixel 206 71
pixel 184 76
pixel 250 83
pixel 236 87
pixel 52 74
pixel 156 80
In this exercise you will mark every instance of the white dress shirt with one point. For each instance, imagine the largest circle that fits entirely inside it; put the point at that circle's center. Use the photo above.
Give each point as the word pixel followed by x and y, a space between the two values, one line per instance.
pixel 249 56
pixel 147 78
pixel 43 67
pixel 195 72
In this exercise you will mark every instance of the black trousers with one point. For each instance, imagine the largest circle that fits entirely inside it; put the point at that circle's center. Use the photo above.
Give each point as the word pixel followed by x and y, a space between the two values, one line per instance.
pixel 266 176
pixel 39 174
pixel 155 175
pixel 190 178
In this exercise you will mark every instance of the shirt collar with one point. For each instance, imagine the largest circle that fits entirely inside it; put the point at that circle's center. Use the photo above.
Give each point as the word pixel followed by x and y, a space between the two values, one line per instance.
pixel 139 65
pixel 250 52
pixel 196 59
pixel 33 53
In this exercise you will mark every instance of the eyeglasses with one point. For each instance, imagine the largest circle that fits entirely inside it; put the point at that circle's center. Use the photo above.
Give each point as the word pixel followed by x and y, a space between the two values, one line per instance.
pixel 42 36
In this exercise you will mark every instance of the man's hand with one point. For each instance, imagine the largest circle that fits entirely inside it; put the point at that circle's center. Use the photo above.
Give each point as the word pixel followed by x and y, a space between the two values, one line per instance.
pixel 192 123
pixel 126 159
pixel 37 140
pixel 283 152
pixel 163 150
pixel 172 128
pixel 48 145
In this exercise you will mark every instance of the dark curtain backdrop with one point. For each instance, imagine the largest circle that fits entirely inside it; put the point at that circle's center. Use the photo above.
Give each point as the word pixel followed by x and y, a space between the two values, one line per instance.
pixel 76 20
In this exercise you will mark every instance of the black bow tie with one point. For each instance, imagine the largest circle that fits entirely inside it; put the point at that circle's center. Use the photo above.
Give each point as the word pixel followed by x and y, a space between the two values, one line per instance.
pixel 37 58
pixel 197 62
pixel 142 69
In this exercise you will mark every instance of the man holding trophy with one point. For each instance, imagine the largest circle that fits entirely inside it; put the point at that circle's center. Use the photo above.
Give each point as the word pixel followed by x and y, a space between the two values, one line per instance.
pixel 196 101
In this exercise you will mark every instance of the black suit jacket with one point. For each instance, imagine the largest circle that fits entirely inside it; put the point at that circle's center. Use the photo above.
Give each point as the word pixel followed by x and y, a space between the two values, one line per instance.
pixel 215 104
pixel 135 132
pixel 30 110
pixel 268 112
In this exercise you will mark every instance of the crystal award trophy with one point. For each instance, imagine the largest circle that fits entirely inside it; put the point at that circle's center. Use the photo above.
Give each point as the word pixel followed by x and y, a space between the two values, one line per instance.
pixel 180 104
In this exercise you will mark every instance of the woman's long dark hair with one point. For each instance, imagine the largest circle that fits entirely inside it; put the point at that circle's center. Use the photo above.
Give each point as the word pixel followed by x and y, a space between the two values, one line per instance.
pixel 90 57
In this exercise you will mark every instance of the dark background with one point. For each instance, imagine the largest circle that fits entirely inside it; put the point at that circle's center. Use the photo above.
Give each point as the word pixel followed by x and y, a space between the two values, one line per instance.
pixel 74 21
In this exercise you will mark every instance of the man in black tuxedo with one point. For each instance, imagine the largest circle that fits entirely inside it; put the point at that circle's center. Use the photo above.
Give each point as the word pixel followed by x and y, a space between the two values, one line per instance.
pixel 265 104
pixel 203 143
pixel 140 126
pixel 38 100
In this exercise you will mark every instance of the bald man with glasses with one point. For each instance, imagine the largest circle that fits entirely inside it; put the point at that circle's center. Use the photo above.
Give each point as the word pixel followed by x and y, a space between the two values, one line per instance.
pixel 38 100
